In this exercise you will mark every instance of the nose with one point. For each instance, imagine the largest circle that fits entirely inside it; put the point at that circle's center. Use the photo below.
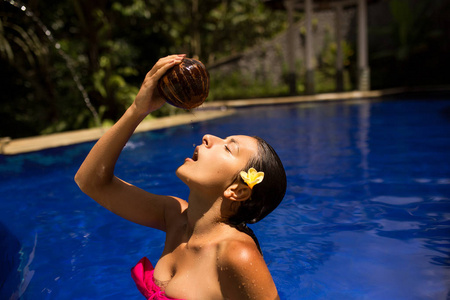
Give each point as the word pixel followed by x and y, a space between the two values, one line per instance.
pixel 208 140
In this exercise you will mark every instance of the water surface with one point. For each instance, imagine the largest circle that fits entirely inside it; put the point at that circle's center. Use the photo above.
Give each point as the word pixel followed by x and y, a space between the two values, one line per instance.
pixel 366 214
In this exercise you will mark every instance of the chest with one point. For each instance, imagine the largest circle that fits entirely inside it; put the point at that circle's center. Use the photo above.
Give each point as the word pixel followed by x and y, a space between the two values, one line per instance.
pixel 189 273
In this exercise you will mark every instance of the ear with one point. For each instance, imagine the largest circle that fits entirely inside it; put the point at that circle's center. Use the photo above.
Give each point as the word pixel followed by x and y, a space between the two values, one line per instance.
pixel 238 192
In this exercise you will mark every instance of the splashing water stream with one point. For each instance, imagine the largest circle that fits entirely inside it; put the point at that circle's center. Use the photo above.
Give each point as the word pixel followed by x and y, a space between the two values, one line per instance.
pixel 64 55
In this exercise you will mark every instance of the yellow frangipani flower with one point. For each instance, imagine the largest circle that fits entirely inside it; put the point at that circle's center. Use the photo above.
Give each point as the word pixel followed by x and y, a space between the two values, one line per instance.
pixel 252 177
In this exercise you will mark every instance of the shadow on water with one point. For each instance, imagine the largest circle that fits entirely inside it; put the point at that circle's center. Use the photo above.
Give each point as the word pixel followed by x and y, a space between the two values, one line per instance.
pixel 14 276
pixel 9 262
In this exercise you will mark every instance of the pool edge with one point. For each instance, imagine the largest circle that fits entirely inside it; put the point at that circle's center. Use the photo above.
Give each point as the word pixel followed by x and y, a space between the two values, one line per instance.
pixel 36 143
pixel 209 110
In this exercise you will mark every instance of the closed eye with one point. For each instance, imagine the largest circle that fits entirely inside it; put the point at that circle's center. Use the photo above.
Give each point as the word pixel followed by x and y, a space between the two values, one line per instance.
pixel 228 149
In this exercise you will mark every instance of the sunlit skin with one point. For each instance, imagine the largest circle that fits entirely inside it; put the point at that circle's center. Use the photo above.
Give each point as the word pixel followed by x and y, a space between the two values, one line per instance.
pixel 203 258
pixel 216 162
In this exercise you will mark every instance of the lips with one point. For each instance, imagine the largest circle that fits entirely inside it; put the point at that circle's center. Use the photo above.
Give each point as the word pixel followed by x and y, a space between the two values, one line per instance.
pixel 195 155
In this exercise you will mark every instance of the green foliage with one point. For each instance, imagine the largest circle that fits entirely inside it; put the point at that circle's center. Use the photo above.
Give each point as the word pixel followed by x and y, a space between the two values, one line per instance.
pixel 409 28
pixel 416 38
pixel 110 45
pixel 239 86
pixel 325 75
pixel 233 25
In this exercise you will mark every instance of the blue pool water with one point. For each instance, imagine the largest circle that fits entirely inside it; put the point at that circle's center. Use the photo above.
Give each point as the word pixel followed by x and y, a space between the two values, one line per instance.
pixel 366 214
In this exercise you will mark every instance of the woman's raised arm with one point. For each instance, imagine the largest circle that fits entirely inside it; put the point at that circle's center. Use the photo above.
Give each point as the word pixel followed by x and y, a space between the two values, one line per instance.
pixel 96 175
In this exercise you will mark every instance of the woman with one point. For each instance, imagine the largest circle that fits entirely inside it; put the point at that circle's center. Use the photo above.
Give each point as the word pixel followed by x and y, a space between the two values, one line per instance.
pixel 209 252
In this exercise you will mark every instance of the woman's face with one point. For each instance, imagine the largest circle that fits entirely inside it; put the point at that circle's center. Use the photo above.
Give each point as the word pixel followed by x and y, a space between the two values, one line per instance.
pixel 216 161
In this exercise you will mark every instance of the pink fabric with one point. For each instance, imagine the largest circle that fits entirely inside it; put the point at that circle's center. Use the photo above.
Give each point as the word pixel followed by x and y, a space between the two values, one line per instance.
pixel 142 275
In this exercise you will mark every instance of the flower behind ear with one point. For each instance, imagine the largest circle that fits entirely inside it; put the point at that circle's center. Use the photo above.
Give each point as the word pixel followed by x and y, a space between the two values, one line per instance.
pixel 252 178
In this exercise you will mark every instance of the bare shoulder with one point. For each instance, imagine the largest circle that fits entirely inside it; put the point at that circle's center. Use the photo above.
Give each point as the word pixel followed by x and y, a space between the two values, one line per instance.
pixel 177 205
pixel 175 211
pixel 243 273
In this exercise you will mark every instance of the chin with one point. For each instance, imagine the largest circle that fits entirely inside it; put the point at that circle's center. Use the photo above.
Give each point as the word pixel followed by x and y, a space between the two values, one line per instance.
pixel 182 175
pixel 179 172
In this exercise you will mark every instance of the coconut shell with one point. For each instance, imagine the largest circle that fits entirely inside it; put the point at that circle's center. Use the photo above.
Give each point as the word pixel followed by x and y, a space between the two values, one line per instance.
pixel 186 85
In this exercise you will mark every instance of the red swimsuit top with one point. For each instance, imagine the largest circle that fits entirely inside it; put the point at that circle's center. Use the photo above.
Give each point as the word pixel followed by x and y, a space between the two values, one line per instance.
pixel 142 275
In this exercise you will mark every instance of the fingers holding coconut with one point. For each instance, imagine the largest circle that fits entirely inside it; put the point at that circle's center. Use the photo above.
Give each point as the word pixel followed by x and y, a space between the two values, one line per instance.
pixel 148 98
pixel 165 63
pixel 185 85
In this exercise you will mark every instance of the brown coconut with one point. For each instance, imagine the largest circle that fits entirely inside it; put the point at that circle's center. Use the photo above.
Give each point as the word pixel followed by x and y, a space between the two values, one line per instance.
pixel 186 85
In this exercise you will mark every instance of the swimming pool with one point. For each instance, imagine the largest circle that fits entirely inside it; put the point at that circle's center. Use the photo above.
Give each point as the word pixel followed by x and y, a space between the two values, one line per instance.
pixel 366 214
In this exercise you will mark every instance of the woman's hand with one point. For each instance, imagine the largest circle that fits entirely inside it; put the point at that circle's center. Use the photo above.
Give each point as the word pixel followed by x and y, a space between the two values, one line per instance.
pixel 96 175
pixel 148 99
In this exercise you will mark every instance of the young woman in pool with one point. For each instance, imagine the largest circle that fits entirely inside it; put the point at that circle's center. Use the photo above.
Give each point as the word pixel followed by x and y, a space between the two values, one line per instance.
pixel 209 251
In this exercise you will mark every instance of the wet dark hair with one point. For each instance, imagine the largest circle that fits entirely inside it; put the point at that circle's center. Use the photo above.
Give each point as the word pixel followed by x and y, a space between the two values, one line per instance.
pixel 267 195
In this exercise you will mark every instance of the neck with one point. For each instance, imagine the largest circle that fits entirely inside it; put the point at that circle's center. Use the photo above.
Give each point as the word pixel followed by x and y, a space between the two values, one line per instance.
pixel 203 217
